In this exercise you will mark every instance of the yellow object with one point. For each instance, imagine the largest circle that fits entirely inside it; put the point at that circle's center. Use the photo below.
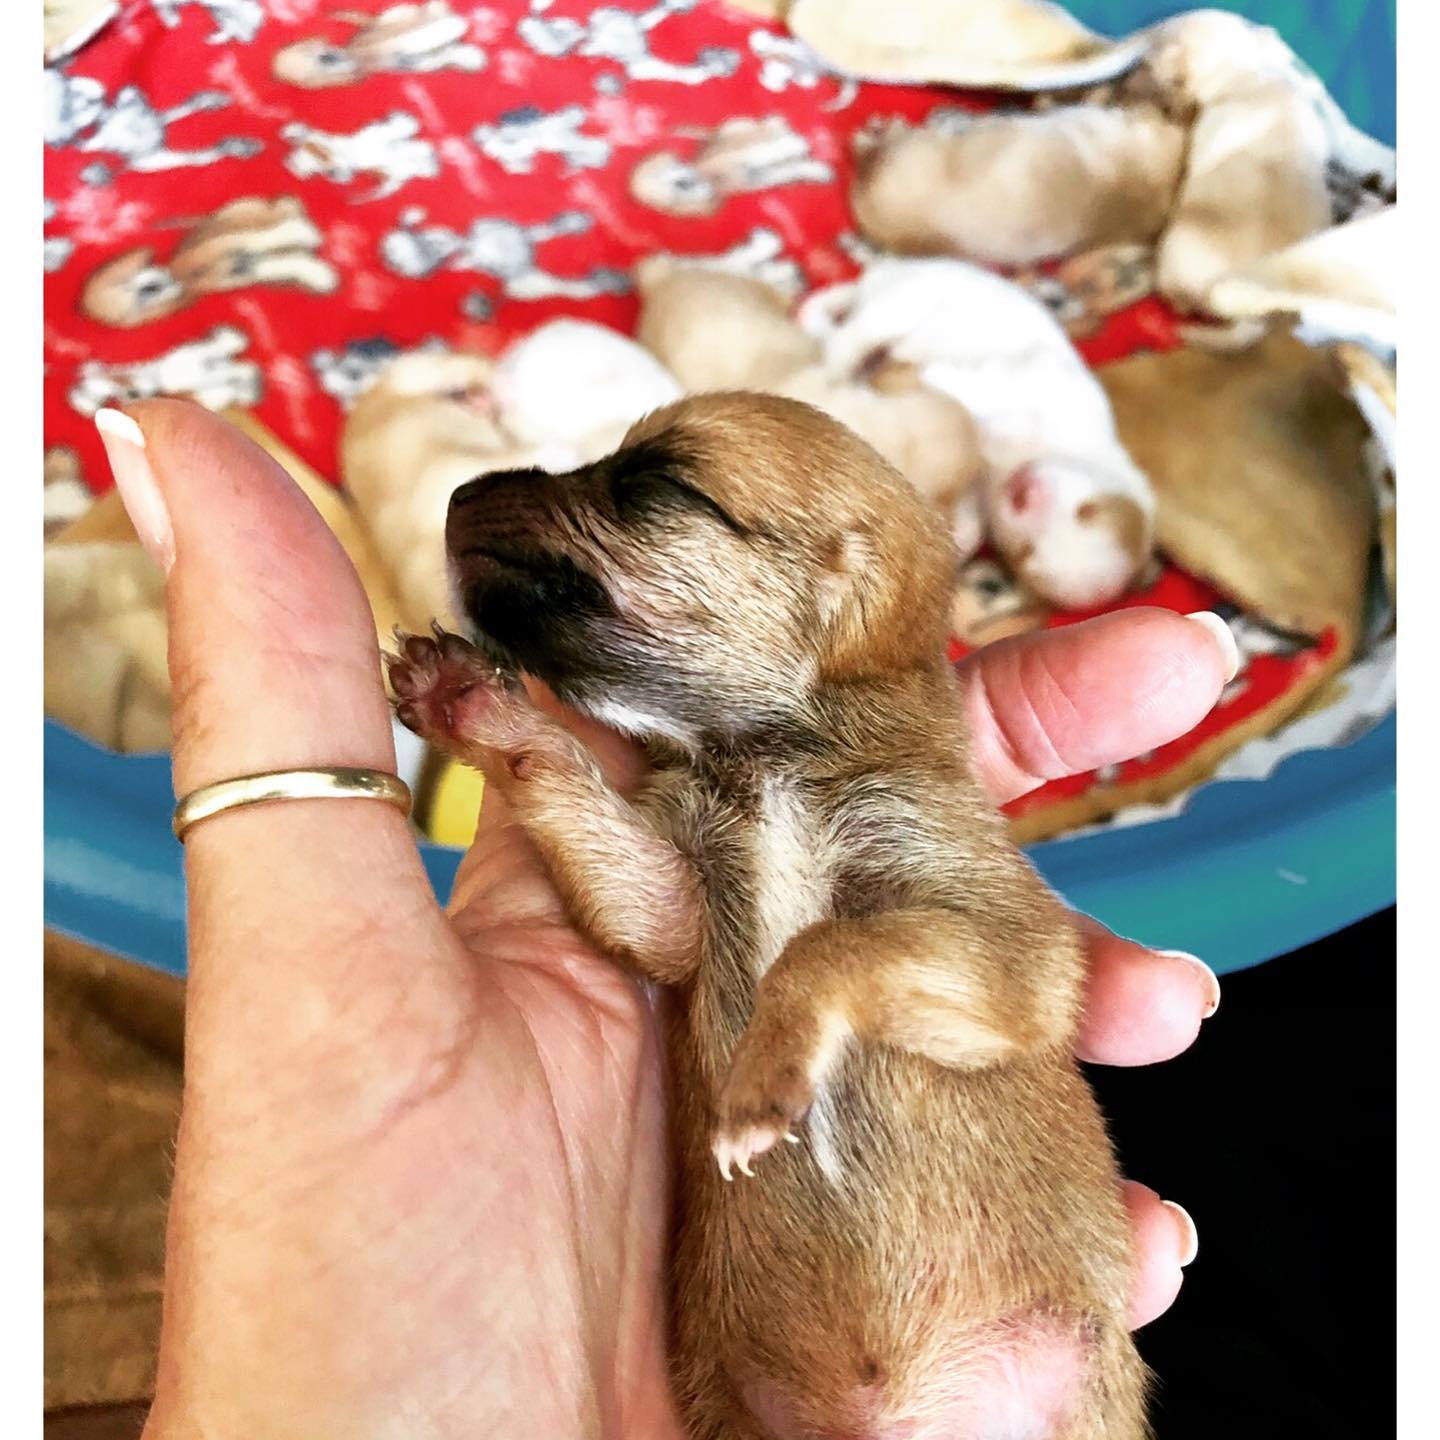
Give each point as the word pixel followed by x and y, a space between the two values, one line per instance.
pixel 454 804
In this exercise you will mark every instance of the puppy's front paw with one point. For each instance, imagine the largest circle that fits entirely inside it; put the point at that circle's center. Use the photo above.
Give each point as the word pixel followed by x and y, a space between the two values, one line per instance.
pixel 433 676
pixel 451 695
pixel 765 1093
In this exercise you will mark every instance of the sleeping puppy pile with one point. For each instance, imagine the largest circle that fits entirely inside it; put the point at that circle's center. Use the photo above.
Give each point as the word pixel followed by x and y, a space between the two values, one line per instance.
pixel 959 378
pixel 1207 149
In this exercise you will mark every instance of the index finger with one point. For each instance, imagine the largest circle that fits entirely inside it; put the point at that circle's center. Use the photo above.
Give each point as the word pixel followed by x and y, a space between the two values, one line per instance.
pixel 1061 702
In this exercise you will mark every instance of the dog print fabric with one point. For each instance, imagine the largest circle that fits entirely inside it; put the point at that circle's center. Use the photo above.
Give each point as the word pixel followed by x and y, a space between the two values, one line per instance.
pixel 258 202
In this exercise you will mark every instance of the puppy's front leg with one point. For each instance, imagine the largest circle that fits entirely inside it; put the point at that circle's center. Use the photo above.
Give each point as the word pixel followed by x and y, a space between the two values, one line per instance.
pixel 626 887
pixel 937 983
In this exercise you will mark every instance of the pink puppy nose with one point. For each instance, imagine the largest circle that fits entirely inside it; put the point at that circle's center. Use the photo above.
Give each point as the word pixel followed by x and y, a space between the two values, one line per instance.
pixel 1025 490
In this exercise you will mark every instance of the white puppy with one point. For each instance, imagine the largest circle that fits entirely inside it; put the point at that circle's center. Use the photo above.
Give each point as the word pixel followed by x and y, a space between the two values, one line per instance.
pixel 577 384
pixel 1065 504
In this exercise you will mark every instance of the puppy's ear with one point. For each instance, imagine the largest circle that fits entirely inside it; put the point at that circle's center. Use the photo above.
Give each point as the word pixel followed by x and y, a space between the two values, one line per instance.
pixel 841 597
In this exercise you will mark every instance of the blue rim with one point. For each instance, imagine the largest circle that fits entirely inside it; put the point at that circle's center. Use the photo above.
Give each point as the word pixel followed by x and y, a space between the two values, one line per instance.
pixel 1250 870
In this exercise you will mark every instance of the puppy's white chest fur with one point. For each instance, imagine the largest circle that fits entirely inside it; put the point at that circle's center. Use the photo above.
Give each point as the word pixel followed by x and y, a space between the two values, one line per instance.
pixel 792 870
pixel 793 889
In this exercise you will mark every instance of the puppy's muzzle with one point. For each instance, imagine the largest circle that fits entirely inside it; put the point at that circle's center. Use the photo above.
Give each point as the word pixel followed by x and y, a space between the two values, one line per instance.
pixel 499 520
pixel 517 585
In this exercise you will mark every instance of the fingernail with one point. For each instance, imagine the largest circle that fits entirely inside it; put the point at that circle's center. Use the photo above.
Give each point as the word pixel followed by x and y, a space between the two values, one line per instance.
pixel 1223 638
pixel 1212 980
pixel 124 443
pixel 1191 1245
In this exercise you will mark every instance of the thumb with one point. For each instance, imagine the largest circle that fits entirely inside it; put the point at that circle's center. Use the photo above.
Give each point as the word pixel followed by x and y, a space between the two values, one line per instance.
pixel 273 665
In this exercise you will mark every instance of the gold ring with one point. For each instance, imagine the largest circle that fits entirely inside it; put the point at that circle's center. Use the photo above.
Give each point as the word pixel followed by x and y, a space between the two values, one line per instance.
pixel 338 783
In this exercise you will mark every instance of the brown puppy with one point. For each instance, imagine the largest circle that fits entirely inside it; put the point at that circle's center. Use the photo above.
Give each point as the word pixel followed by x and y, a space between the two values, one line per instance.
pixel 859 954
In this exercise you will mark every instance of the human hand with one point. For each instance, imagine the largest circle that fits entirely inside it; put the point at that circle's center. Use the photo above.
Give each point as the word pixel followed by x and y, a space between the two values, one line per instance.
pixel 421 1174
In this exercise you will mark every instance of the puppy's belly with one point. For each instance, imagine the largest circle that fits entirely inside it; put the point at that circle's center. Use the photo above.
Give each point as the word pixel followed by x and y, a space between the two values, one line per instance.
pixel 940 1267
pixel 1019 1378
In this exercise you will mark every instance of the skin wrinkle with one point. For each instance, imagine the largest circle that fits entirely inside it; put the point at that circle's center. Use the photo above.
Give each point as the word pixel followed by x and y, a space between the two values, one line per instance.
pixel 1051 710
pixel 434 1072
pixel 1000 733
pixel 575 1161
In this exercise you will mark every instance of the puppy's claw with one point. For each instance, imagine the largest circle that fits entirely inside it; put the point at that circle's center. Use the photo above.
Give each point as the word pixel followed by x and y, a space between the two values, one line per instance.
pixel 734 1151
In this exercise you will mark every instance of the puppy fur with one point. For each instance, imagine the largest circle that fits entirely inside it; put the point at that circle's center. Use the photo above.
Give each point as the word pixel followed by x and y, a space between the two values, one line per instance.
pixel 859 955
pixel 1011 189
pixel 716 331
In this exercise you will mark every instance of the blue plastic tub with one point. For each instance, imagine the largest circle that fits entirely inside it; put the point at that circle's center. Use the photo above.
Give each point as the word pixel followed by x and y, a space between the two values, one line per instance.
pixel 1250 870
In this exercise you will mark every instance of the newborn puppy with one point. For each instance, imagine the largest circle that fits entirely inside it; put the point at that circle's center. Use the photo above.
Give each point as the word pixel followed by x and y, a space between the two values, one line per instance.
pixel 929 438
pixel 578 384
pixel 717 331
pixel 1066 505
pixel 862 962
pixel 1011 189
pixel 425 426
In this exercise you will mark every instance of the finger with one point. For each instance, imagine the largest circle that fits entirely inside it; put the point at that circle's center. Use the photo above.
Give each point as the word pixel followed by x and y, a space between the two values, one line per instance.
pixel 1141 1006
pixel 1166 1241
pixel 274 665
pixel 1061 702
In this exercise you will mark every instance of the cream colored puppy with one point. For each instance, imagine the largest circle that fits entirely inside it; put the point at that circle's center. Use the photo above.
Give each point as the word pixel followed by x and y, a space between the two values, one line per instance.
pixel 718 331
pixel 1011 189
pixel 426 426
pixel 578 385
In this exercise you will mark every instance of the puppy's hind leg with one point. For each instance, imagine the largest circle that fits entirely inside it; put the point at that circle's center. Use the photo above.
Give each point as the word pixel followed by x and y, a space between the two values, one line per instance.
pixel 938 983
pixel 625 886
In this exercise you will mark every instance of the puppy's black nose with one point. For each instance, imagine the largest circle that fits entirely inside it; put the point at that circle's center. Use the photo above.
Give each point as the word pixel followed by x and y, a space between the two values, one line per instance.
pixel 482 485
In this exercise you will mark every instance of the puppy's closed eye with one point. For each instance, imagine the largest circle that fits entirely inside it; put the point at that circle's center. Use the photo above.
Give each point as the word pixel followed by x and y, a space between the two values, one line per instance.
pixel 641 494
